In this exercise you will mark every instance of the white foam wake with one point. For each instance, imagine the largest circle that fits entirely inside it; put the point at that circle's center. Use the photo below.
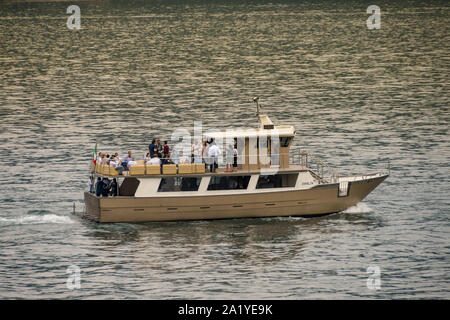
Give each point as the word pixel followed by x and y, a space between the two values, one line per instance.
pixel 35 219
pixel 359 208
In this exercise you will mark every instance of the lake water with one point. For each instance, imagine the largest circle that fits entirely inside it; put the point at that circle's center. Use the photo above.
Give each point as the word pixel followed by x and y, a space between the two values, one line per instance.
pixel 357 98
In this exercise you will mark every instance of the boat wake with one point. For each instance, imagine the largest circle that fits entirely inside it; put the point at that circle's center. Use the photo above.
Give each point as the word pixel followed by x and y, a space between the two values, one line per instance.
pixel 35 219
pixel 359 208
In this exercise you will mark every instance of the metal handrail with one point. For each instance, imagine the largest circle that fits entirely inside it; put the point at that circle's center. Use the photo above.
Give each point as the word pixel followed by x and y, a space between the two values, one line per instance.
pixel 296 157
pixel 305 158
pixel 321 170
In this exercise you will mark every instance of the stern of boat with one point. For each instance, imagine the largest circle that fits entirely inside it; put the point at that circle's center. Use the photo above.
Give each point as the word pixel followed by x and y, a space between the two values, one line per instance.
pixel 92 205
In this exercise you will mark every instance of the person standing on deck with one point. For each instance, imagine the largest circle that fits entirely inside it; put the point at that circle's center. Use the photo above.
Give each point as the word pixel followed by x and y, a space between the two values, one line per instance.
pixel 91 184
pixel 205 154
pixel 106 187
pixel 235 156
pixel 166 152
pixel 213 153
pixel 99 187
pixel 197 151
pixel 229 158
pixel 113 188
pixel 152 148
pixel 159 148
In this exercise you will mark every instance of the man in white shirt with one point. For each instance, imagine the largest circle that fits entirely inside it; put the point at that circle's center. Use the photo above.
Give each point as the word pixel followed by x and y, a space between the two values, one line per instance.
pixel 213 154
pixel 155 160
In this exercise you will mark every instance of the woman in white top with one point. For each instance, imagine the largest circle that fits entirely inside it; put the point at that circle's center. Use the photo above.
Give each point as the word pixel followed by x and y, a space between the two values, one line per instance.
pixel 230 158
pixel 197 152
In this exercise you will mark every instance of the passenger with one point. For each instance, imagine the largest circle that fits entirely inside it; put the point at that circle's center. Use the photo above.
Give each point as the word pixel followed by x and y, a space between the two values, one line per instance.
pixel 114 188
pixel 126 160
pixel 197 151
pixel 155 160
pixel 175 157
pixel 105 160
pixel 204 153
pixel 152 148
pixel 235 156
pixel 166 152
pixel 131 163
pixel 91 184
pixel 98 187
pixel 99 158
pixel 214 153
pixel 119 168
pixel 129 156
pixel 229 158
pixel 159 148
pixel 114 161
pixel 105 187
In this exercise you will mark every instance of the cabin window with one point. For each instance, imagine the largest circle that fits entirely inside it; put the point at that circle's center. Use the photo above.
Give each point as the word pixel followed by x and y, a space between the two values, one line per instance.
pixel 287 180
pixel 174 184
pixel 228 182
pixel 284 141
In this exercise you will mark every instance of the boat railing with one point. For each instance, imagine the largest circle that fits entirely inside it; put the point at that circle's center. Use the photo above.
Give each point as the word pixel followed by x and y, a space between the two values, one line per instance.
pixel 271 163
pixel 379 171
pixel 322 170
pixel 298 159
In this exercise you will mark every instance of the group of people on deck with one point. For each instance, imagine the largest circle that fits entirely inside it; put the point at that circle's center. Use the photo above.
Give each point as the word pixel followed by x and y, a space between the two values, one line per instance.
pixel 206 152
pixel 158 154
pixel 201 152
pixel 103 187
pixel 119 163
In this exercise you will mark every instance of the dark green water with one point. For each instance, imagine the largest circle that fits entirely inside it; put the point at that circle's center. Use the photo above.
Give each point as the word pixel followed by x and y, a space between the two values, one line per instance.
pixel 357 97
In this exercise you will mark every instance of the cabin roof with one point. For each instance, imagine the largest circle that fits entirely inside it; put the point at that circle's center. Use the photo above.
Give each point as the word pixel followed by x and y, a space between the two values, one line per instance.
pixel 266 129
pixel 281 131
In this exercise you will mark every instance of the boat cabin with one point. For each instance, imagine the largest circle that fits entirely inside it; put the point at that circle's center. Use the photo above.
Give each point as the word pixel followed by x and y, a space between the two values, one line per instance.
pixel 264 147
pixel 267 146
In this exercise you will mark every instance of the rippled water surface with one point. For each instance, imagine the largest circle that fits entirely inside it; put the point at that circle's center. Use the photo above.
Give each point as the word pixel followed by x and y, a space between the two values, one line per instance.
pixel 357 97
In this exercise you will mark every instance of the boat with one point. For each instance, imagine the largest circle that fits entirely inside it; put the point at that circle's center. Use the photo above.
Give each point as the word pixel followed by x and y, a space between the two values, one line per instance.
pixel 271 179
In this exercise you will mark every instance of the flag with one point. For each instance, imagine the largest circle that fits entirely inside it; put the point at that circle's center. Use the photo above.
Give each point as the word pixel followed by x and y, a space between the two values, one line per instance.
pixel 95 153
